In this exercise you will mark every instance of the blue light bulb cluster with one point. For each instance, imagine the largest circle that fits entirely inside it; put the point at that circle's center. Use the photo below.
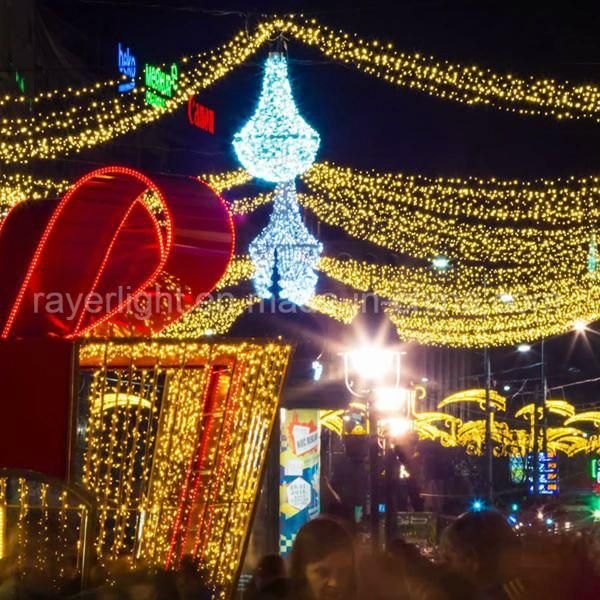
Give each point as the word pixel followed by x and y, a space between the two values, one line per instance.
pixel 277 145
pixel 286 240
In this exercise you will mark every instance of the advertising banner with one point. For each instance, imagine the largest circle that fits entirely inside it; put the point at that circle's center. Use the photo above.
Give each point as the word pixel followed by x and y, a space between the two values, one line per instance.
pixel 299 466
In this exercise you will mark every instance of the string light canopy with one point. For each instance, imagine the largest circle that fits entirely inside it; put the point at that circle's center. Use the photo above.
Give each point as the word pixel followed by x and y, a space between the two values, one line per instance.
pixel 526 296
pixel 534 241
pixel 90 115
pixel 277 145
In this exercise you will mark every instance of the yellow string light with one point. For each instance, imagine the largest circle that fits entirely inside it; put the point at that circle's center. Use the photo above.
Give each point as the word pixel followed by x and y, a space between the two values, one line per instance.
pixel 451 431
pixel 433 308
pixel 96 120
pixel 18 188
pixel 57 133
pixel 368 207
pixel 341 309
pixel 542 271
pixel 460 83
pixel 227 179
pixel 212 317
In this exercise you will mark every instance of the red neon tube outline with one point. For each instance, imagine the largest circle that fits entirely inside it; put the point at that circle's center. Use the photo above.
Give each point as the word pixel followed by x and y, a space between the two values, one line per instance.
pixel 52 223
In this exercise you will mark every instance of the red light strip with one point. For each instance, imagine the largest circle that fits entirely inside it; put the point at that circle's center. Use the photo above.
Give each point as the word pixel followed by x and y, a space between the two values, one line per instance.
pixel 198 458
pixel 230 413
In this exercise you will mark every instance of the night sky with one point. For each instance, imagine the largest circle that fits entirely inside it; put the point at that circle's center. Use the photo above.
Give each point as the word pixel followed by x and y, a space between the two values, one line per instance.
pixel 363 122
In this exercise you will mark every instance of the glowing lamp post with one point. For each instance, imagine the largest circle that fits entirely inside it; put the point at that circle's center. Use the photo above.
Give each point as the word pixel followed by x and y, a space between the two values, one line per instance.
pixel 373 373
pixel 395 407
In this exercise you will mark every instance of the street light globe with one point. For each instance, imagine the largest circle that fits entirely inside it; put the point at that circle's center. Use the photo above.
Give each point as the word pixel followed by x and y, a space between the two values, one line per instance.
pixel 398 426
pixel 372 363
pixel 580 325
pixel 506 298
pixel 440 263
pixel 523 348
pixel 392 400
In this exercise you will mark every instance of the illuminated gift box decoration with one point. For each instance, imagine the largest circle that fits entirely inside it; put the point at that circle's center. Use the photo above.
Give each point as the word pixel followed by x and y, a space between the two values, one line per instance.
pixel 168 436
pixel 176 434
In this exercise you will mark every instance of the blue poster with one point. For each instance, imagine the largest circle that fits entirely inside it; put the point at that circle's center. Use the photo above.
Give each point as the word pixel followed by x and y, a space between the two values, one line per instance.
pixel 299 472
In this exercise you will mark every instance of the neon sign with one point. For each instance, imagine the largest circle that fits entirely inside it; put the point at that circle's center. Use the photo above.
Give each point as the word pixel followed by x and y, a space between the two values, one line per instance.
pixel 160 85
pixel 548 484
pixel 127 67
pixel 200 116
pixel 595 472
pixel 20 79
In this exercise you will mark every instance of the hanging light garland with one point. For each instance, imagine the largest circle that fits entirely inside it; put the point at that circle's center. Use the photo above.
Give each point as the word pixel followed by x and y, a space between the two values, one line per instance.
pixel 467 84
pixel 517 251
pixel 529 296
pixel 89 119
pixel 52 133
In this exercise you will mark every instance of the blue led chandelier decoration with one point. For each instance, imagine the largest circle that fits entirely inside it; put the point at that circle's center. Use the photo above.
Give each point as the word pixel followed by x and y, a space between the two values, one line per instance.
pixel 277 145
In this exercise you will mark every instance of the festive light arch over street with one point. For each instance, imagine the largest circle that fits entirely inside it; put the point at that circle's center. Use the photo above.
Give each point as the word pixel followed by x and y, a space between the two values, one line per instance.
pixel 522 255
pixel 509 438
pixel 91 118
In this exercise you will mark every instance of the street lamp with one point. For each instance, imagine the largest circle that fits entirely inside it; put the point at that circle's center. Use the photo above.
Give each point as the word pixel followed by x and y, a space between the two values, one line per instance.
pixel 524 348
pixel 373 373
pixel 373 367
pixel 440 263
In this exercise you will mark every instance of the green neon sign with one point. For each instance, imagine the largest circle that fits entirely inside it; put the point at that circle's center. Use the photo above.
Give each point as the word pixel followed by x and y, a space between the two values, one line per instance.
pixel 160 85
pixel 20 79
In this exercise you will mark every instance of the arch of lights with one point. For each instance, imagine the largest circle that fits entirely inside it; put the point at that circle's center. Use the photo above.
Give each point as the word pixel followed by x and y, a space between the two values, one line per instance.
pixel 565 435
pixel 523 254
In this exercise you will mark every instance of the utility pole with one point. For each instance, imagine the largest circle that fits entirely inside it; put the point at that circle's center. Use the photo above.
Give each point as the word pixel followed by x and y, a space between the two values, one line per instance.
pixel 391 475
pixel 544 411
pixel 488 426
pixel 536 445
pixel 373 477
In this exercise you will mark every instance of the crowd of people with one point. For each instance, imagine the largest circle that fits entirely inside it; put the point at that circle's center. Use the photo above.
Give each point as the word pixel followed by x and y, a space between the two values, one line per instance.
pixel 479 557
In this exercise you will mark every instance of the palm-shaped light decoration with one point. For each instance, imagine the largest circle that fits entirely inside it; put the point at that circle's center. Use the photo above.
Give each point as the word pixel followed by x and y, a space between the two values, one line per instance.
pixel 277 145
